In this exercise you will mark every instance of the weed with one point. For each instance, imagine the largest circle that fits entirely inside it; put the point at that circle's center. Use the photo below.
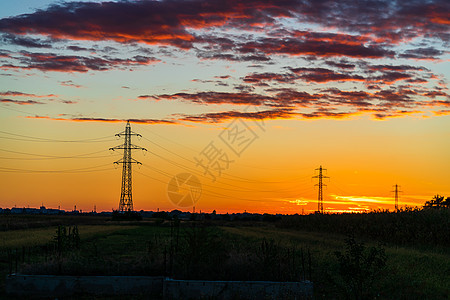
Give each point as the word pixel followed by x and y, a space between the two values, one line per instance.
pixel 359 267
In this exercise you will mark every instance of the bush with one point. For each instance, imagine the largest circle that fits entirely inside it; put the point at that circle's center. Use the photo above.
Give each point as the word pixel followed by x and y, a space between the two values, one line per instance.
pixel 359 267
pixel 126 216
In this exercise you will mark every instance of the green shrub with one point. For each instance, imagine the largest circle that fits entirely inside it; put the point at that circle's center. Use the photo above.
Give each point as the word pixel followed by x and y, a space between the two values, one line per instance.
pixel 359 267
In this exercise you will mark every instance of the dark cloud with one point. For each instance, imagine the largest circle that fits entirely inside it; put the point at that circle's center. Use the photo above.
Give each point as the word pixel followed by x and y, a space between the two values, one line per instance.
pixel 279 113
pixel 392 21
pixel 417 80
pixel 213 98
pixel 233 57
pixel 4 53
pixel 327 103
pixel 350 98
pixel 390 77
pixel 73 63
pixel 395 98
pixel 400 68
pixel 282 98
pixel 373 74
pixel 106 120
pixel 216 82
pixel 287 103
pixel 393 73
pixel 261 78
pixel 316 75
pixel 442 112
pixel 150 22
pixel 70 83
pixel 24 41
pixel 434 94
pixel 341 64
pixel 394 114
pixel 20 102
pixel 173 22
pixel 21 94
pixel 327 115
pixel 67 101
pixel 243 88
pixel 202 80
pixel 78 48
pixel 429 53
pixel 321 75
pixel 250 31
pixel 315 45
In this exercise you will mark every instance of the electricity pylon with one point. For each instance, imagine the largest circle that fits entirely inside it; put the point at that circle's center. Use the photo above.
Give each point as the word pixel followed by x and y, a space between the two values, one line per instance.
pixel 320 184
pixel 396 191
pixel 126 197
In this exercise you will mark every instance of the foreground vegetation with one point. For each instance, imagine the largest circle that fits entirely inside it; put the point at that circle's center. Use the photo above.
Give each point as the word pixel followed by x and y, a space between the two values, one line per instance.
pixel 320 248
pixel 428 228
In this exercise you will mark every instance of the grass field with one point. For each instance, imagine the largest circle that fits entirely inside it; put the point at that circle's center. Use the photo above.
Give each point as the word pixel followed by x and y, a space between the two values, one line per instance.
pixel 410 273
pixel 41 236
pixel 230 251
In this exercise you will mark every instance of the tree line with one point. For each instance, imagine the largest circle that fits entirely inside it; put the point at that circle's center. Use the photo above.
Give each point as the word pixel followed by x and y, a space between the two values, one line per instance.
pixel 438 201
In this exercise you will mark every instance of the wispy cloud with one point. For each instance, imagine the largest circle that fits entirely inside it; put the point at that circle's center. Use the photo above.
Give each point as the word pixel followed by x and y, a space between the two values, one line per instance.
pixel 70 83
pixel 21 102
pixel 21 94
pixel 368 200
pixel 72 63
pixel 104 120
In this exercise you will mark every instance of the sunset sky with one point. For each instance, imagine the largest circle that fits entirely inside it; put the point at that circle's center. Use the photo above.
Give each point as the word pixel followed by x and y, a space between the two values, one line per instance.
pixel 249 96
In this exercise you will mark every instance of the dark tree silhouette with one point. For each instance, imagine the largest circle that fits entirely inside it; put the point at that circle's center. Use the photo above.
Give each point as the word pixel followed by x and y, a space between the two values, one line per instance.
pixel 438 201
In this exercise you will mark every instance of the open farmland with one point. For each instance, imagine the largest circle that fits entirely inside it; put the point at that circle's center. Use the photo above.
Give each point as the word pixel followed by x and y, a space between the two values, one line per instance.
pixel 222 250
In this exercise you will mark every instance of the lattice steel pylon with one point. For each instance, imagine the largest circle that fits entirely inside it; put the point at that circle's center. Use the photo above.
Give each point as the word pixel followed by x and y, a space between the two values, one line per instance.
pixel 320 184
pixel 396 191
pixel 126 196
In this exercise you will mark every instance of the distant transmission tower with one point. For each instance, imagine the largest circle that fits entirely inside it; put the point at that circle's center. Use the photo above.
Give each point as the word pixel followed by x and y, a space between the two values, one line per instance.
pixel 126 197
pixel 320 184
pixel 396 191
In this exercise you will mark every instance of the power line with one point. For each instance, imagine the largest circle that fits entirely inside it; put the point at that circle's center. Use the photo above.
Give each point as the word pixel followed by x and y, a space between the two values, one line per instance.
pixel 164 148
pixel 16 110
pixel 197 172
pixel 214 194
pixel 87 169
pixel 165 138
pixel 335 183
pixel 223 175
pixel 295 189
pixel 193 150
pixel 41 139
pixel 52 157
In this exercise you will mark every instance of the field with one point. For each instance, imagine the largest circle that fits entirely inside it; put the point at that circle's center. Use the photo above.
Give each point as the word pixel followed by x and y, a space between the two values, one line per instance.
pixel 340 265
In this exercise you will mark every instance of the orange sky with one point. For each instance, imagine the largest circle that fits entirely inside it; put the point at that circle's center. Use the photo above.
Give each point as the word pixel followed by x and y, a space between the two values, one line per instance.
pixel 364 159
